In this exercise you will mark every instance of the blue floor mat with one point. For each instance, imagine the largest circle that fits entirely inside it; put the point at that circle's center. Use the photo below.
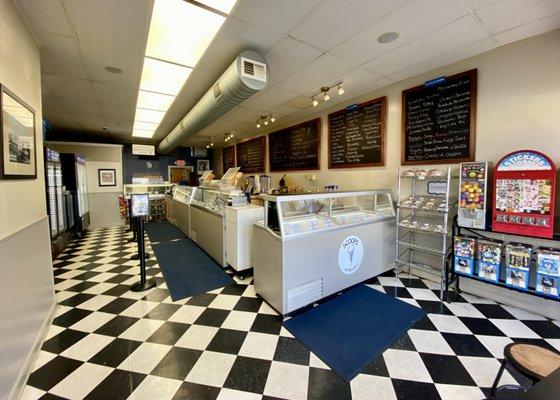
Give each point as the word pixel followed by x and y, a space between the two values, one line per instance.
pixel 163 231
pixel 353 329
pixel 188 271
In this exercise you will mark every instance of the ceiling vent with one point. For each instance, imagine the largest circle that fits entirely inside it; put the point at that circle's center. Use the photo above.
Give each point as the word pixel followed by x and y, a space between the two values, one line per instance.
pixel 247 75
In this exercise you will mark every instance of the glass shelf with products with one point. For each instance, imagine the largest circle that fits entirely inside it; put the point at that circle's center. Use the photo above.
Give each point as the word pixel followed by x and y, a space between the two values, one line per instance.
pixel 155 190
pixel 184 194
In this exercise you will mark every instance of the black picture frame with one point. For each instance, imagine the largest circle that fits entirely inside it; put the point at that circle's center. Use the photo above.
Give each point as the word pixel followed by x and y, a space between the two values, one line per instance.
pixel 111 170
pixel 6 153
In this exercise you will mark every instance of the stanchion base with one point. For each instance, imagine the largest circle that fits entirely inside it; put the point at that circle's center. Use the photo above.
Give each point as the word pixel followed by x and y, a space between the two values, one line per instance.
pixel 139 287
pixel 135 256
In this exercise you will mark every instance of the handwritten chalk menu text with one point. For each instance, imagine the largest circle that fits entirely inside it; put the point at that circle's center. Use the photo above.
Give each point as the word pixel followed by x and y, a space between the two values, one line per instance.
pixel 357 135
pixel 295 148
pixel 250 155
pixel 439 121
pixel 228 157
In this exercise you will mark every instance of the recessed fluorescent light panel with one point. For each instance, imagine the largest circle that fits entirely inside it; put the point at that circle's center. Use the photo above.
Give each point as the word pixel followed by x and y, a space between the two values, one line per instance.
pixel 180 32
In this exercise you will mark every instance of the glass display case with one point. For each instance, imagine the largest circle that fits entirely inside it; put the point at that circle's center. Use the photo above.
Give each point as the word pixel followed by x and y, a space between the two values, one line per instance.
pixel 313 245
pixel 184 194
pixel 291 215
pixel 211 199
pixel 154 190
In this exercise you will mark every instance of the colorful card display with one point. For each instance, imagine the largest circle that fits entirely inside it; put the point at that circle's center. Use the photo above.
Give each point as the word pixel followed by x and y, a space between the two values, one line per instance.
pixel 518 256
pixel 531 196
pixel 517 278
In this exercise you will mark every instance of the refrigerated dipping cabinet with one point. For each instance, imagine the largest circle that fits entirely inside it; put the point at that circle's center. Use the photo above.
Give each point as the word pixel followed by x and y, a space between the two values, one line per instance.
pixel 310 246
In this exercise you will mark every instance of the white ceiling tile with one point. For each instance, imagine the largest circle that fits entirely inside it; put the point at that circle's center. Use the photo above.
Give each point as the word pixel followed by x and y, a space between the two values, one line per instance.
pixel 114 94
pixel 411 21
pixel 54 65
pixel 120 24
pixel 315 75
pixel 478 4
pixel 356 78
pixel 273 14
pixel 289 56
pixel 508 14
pixel 269 98
pixel 343 18
pixel 82 107
pixel 241 114
pixel 97 57
pixel 531 29
pixel 68 87
pixel 46 16
pixel 452 36
pixel 446 59
pixel 116 111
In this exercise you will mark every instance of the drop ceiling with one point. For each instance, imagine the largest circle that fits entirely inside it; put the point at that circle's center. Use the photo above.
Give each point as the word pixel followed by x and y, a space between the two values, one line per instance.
pixel 307 44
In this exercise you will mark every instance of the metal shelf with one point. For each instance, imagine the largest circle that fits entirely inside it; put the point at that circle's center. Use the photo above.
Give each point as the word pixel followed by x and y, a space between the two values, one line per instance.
pixel 438 252
pixel 406 237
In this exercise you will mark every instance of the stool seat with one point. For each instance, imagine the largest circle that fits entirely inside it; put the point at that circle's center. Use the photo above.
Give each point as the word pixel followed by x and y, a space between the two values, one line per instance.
pixel 534 361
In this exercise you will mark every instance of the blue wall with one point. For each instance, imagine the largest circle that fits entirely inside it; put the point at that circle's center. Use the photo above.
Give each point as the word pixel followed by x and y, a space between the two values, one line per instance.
pixel 133 163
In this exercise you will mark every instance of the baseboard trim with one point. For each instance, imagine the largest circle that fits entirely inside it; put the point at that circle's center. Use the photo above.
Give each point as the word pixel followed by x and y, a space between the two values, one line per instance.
pixel 23 376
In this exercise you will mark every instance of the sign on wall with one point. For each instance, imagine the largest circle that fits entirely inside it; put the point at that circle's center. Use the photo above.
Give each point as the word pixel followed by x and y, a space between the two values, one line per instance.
pixel 143 149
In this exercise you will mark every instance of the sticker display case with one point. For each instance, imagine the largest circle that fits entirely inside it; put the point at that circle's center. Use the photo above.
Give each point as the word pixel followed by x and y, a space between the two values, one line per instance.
pixel 473 194
pixel 518 264
pixel 426 206
pixel 524 194
pixel 548 271
pixel 465 252
pixel 310 246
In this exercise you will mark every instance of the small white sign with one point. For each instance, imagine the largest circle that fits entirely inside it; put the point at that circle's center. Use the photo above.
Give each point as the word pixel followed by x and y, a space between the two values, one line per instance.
pixel 350 255
pixel 143 149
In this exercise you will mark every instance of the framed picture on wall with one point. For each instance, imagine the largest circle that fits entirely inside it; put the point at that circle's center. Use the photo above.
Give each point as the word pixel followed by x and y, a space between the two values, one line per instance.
pixel 18 158
pixel 202 166
pixel 197 151
pixel 107 177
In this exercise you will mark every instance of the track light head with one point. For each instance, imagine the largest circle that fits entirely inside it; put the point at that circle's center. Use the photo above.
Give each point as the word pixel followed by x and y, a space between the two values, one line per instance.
pixel 326 96
pixel 272 119
pixel 340 90
pixel 315 102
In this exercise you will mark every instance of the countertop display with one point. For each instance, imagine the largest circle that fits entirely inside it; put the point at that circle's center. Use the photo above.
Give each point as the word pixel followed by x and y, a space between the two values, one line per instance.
pixel 310 246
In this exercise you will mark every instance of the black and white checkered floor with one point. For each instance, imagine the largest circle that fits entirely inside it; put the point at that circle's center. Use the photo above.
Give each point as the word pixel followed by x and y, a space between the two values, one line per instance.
pixel 109 343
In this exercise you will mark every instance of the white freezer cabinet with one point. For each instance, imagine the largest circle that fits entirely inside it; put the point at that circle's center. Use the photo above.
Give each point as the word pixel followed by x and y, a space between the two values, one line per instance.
pixel 239 234
pixel 310 246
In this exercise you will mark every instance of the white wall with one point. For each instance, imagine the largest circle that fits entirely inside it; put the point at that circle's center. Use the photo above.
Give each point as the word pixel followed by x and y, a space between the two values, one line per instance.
pixel 27 294
pixel 518 106
pixel 103 200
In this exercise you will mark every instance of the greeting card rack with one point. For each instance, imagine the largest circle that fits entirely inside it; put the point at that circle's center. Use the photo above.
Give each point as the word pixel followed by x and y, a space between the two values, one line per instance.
pixel 426 206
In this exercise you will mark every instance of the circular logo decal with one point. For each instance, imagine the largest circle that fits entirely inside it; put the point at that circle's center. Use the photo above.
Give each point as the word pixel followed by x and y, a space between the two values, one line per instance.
pixel 350 255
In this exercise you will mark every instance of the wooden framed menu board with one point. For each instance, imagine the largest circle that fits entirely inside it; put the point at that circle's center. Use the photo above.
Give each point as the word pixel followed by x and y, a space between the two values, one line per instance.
pixel 250 155
pixel 357 135
pixel 228 157
pixel 439 120
pixel 295 148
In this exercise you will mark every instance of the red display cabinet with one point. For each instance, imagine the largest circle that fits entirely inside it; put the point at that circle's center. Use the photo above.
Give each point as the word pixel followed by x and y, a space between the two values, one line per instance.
pixel 524 194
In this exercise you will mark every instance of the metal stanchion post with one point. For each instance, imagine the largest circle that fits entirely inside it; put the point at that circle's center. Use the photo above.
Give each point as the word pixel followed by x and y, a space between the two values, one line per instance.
pixel 144 284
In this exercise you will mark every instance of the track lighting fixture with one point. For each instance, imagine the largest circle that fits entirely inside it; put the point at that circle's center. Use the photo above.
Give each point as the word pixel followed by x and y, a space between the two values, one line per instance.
pixel 325 92
pixel 228 136
pixel 211 143
pixel 340 90
pixel 265 119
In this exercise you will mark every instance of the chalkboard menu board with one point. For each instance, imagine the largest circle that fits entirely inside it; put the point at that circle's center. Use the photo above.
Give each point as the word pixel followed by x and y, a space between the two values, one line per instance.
pixel 250 155
pixel 357 135
pixel 295 148
pixel 439 120
pixel 228 157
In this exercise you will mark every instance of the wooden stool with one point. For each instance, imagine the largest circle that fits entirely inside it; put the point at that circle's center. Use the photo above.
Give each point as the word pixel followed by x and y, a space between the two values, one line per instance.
pixel 533 362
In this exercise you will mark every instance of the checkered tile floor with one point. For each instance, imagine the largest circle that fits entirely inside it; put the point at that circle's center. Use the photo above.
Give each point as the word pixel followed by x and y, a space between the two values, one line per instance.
pixel 109 343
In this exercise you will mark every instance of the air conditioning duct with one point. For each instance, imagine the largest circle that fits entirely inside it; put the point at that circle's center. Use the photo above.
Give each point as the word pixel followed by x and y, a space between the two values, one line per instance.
pixel 247 75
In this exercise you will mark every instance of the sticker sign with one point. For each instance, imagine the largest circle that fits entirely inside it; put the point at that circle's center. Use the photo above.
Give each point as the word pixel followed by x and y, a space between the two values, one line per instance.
pixel 350 255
